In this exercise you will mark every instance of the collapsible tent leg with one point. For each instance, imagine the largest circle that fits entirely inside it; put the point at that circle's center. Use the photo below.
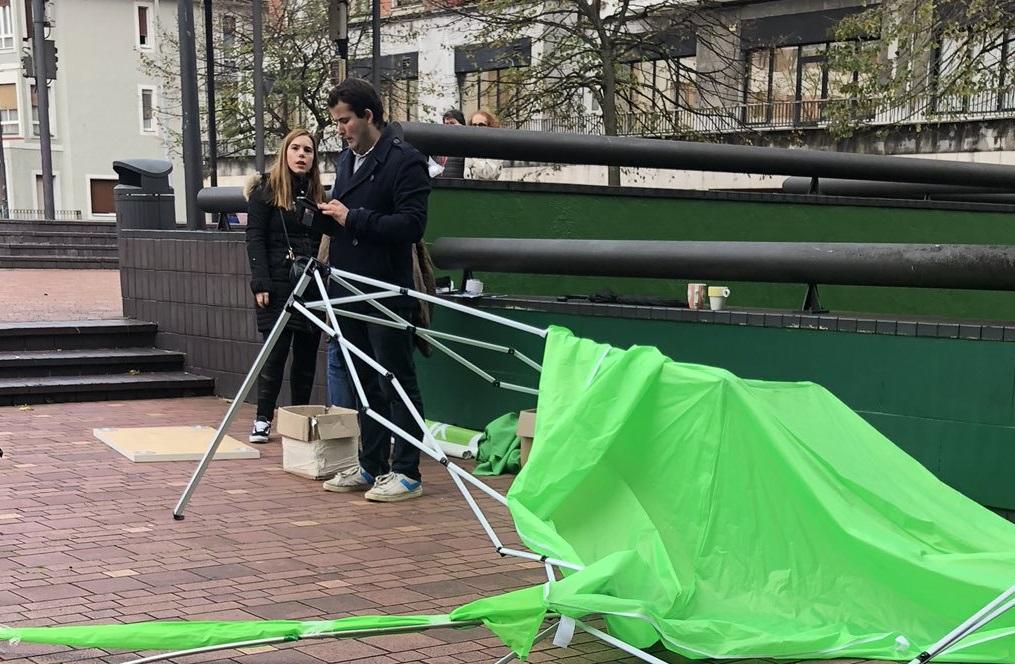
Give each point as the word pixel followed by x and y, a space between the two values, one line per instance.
pixel 351 634
pixel 992 610
pixel 510 657
pixel 248 382
pixel 426 444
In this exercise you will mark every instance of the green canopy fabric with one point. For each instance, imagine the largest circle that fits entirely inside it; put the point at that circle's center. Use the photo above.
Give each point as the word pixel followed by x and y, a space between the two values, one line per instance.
pixel 500 450
pixel 183 635
pixel 723 517
pixel 742 518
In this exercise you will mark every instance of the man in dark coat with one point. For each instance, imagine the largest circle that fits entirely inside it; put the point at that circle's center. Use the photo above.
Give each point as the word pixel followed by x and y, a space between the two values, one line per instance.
pixel 379 213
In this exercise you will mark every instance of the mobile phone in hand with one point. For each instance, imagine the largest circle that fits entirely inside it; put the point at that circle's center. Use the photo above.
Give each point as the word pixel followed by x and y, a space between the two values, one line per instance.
pixel 308 211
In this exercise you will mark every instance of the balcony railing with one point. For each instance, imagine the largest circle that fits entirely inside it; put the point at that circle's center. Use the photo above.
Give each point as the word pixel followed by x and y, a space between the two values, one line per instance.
pixel 31 214
pixel 808 113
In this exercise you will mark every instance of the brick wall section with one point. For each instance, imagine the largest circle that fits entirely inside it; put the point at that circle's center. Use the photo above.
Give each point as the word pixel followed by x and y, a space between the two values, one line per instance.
pixel 196 286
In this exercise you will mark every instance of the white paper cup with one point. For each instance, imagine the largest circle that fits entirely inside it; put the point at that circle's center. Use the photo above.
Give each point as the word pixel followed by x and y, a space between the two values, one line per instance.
pixel 718 291
pixel 717 297
pixel 474 287
pixel 696 296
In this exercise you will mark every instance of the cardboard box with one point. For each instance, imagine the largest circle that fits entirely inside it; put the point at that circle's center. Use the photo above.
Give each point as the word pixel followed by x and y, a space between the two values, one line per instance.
pixel 310 423
pixel 318 442
pixel 320 459
pixel 526 430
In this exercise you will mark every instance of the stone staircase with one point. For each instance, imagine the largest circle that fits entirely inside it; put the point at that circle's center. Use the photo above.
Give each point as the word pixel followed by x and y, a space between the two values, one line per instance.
pixel 58 244
pixel 90 360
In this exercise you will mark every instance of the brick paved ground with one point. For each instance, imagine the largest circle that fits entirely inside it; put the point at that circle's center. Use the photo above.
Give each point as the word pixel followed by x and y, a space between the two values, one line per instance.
pixel 28 295
pixel 86 535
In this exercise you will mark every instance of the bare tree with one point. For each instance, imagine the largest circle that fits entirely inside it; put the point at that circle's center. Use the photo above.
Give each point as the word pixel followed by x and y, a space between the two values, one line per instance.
pixel 919 60
pixel 629 58
pixel 299 68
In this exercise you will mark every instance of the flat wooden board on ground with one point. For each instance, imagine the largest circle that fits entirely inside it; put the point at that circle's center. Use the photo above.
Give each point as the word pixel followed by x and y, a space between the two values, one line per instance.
pixel 146 444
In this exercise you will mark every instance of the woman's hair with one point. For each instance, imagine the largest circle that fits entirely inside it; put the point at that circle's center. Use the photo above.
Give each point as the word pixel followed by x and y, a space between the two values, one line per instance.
pixel 454 114
pixel 491 119
pixel 280 182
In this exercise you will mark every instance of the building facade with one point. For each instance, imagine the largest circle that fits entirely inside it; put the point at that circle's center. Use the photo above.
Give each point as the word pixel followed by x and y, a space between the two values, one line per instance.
pixel 768 83
pixel 104 103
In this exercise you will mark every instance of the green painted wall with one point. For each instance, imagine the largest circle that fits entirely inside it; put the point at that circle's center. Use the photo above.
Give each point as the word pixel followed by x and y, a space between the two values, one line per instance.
pixel 517 211
pixel 948 402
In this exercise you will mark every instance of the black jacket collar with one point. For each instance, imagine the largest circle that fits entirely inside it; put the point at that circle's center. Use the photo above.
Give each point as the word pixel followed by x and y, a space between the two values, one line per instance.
pixel 376 158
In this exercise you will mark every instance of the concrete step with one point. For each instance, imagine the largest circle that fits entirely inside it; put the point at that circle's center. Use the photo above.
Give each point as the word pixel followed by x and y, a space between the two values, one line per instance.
pixel 76 335
pixel 102 387
pixel 59 226
pixel 58 250
pixel 14 237
pixel 59 263
pixel 28 364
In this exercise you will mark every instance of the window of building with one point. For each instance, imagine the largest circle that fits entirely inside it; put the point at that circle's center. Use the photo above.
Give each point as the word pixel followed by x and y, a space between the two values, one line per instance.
pixel 395 4
pixel 228 32
pixel 145 33
pixel 40 197
pixel 228 71
pixel 789 85
pixel 656 86
pixel 6 25
pixel 100 195
pixel 401 99
pixel 979 62
pixel 492 90
pixel 147 109
pixel 9 122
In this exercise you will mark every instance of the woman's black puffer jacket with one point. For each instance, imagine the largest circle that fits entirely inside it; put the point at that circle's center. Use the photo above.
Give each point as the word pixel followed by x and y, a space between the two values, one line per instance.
pixel 268 250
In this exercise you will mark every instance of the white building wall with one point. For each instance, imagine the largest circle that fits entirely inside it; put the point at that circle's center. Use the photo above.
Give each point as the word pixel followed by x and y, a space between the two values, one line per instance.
pixel 96 100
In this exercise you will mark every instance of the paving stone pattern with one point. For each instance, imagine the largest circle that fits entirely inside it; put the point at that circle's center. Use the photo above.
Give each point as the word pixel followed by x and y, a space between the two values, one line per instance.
pixel 85 536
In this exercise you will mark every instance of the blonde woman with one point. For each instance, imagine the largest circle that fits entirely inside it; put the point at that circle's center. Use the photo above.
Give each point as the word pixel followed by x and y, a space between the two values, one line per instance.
pixel 275 237
pixel 483 169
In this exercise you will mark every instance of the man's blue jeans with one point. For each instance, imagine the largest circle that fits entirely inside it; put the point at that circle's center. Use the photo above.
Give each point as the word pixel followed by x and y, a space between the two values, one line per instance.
pixel 340 390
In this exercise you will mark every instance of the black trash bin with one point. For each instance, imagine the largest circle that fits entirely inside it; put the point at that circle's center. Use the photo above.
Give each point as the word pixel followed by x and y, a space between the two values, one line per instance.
pixel 144 197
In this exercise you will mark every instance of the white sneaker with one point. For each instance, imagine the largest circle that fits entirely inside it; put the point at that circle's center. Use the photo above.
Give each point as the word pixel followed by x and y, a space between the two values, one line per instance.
pixel 261 431
pixel 351 479
pixel 394 487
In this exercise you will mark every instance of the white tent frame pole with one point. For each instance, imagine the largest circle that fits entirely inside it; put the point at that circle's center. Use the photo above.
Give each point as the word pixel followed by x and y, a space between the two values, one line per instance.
pixel 431 334
pixel 241 394
pixel 351 634
pixel 617 643
pixel 352 276
pixel 510 657
pixel 426 333
pixel 348 349
pixel 971 624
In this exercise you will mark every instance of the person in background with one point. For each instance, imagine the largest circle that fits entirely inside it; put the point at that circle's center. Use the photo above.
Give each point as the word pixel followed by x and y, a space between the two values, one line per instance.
pixel 454 167
pixel 275 237
pixel 478 168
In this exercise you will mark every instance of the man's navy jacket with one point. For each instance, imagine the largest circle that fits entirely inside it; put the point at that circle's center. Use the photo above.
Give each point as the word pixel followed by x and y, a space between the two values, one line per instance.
pixel 387 201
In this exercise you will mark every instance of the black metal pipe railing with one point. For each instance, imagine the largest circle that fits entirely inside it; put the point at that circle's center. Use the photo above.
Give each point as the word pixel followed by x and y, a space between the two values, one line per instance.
pixel 221 200
pixel 651 153
pixel 870 189
pixel 979 267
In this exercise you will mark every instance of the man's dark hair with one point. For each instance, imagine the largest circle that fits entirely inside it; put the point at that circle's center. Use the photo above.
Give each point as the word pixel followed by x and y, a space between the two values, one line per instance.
pixel 360 96
pixel 454 114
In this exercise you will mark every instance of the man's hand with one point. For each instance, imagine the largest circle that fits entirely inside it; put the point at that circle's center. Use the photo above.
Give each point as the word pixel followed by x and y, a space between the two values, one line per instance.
pixel 335 210
pixel 261 299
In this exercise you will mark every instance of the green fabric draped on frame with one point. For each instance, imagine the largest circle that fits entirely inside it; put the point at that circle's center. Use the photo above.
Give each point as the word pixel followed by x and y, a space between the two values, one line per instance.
pixel 723 517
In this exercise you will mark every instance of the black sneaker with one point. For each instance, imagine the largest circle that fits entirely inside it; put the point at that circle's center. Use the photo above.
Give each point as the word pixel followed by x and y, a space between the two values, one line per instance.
pixel 261 430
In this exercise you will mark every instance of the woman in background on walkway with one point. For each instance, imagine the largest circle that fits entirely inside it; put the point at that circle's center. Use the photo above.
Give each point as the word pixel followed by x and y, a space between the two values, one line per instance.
pixel 454 167
pixel 275 238
pixel 483 169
